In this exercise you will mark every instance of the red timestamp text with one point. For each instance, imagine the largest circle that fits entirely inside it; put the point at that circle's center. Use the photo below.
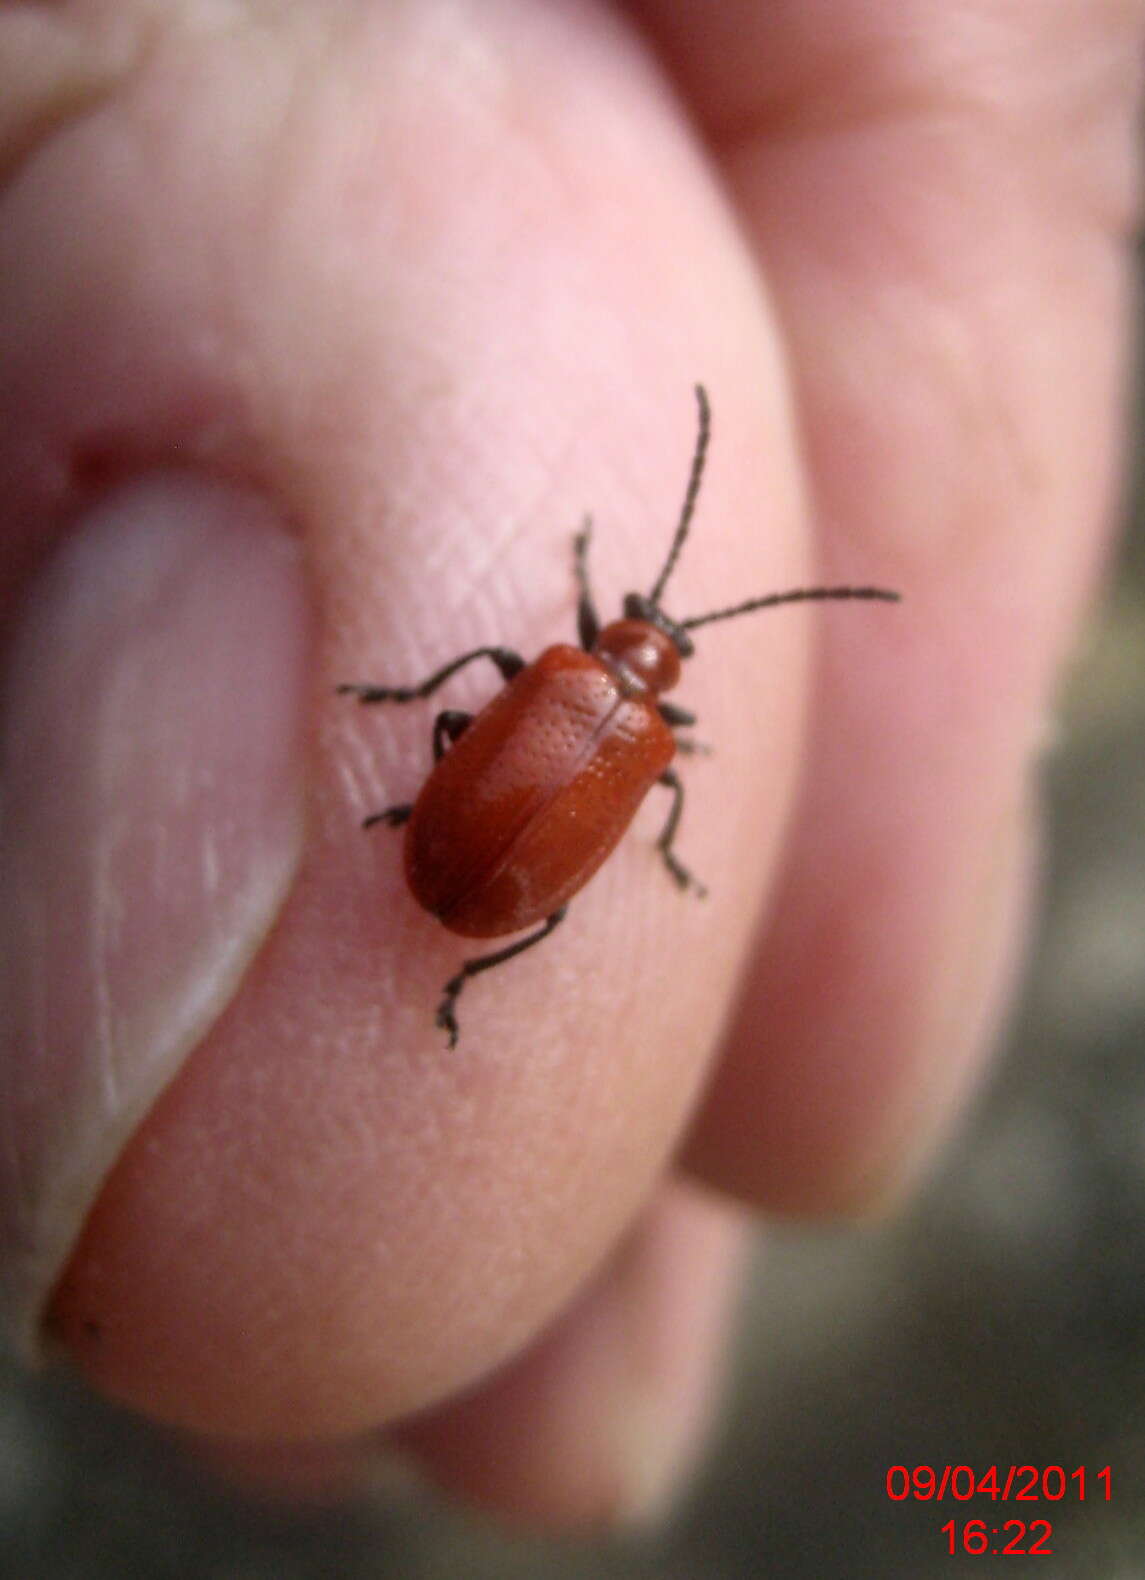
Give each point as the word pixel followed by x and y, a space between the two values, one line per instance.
pixel 999 1483
pixel 1028 1539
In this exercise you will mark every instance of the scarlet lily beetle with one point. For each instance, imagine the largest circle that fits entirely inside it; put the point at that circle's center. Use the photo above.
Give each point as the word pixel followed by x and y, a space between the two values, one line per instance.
pixel 527 798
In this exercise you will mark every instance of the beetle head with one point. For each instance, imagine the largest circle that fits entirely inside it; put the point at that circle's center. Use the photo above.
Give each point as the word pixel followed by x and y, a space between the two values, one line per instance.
pixel 639 607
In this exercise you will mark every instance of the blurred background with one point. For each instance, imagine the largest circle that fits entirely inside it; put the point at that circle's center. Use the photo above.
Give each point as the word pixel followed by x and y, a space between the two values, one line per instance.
pixel 1002 1320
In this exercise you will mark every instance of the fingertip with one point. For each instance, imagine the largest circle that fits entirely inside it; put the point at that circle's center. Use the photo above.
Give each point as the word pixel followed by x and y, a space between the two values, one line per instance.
pixel 600 1424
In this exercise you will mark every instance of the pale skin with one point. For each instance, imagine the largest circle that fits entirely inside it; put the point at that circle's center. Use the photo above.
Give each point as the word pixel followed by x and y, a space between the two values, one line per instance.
pixel 466 263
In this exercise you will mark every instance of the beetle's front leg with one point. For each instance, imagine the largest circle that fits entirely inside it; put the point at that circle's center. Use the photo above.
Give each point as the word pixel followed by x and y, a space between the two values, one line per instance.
pixel 508 662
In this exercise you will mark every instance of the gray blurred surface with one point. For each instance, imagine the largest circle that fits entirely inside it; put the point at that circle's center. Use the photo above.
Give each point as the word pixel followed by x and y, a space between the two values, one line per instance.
pixel 1002 1321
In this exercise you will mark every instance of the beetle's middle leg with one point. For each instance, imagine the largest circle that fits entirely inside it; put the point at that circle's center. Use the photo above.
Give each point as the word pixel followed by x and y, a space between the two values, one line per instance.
pixel 678 718
pixel 448 726
pixel 395 816
pixel 679 872
pixel 446 1018
pixel 682 719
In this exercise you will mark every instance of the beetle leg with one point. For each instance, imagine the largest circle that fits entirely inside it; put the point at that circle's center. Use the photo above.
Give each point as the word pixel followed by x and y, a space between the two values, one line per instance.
pixel 587 619
pixel 395 816
pixel 682 719
pixel 508 662
pixel 678 718
pixel 446 1018
pixel 664 844
pixel 448 725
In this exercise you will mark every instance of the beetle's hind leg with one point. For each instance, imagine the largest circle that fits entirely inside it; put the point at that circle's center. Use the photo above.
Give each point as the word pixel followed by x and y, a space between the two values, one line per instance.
pixel 679 872
pixel 446 1018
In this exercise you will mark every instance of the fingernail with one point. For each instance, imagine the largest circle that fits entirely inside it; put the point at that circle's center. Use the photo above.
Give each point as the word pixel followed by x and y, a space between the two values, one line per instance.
pixel 151 764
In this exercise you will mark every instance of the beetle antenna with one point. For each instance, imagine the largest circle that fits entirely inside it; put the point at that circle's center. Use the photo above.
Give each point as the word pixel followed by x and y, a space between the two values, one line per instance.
pixel 690 496
pixel 798 595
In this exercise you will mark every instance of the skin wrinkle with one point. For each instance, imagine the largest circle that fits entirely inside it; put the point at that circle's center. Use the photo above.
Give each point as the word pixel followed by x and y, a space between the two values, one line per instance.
pixel 979 74
pixel 952 370
pixel 90 69
pixel 1112 206
pixel 216 424
pixel 965 364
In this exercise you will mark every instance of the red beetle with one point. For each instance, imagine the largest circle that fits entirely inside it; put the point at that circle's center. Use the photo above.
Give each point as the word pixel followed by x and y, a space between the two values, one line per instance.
pixel 528 798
